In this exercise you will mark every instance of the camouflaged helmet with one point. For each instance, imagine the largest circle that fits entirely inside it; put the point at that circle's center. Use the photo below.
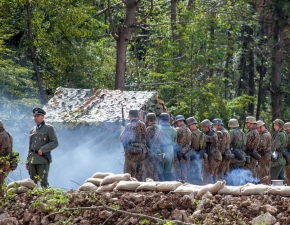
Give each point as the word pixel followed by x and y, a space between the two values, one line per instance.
pixel 179 117
pixel 260 123
pixel 134 112
pixel 151 116
pixel 287 126
pixel 217 121
pixel 233 123
pixel 191 120
pixel 250 119
pixel 1 124
pixel 164 116
pixel 205 123
pixel 279 122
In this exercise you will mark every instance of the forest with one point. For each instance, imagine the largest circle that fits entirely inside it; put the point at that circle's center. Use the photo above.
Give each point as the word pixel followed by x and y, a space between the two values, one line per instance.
pixel 206 58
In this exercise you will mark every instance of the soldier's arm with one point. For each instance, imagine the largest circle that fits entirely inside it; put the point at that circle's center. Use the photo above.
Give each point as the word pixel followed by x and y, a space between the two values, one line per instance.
pixel 53 141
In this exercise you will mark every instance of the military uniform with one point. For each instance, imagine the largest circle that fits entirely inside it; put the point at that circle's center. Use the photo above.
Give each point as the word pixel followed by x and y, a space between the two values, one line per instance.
pixel 154 134
pixel 181 165
pixel 279 145
pixel 196 162
pixel 168 141
pixel 237 144
pixel 253 140
pixel 134 140
pixel 212 162
pixel 287 167
pixel 42 137
pixel 224 147
pixel 6 141
pixel 264 149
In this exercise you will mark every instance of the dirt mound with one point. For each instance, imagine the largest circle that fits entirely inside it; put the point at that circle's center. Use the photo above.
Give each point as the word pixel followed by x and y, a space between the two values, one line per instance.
pixel 55 206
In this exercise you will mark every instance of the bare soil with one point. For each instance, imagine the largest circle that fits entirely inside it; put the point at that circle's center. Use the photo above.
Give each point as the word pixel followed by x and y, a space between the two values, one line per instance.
pixel 32 209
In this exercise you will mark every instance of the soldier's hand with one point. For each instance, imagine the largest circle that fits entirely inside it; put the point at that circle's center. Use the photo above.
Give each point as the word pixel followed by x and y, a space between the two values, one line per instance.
pixel 27 166
pixel 39 152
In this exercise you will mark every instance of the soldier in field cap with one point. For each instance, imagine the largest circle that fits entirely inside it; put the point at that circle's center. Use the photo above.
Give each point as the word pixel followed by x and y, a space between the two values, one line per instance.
pixel 42 140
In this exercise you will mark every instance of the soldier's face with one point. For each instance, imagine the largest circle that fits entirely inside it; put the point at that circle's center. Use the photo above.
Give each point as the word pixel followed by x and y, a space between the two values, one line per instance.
pixel 248 124
pixel 192 126
pixel 276 127
pixel 288 131
pixel 38 118
pixel 205 129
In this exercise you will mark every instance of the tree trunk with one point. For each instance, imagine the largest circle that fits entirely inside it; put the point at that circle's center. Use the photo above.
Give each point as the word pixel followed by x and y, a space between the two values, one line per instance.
pixel 124 35
pixel 173 25
pixel 277 57
pixel 33 54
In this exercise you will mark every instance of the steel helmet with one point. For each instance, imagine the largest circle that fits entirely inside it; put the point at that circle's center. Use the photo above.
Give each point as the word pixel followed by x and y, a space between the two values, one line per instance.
pixel 179 117
pixel 164 116
pixel 217 121
pixel 260 123
pixel 251 119
pixel 279 122
pixel 287 126
pixel 191 120
pixel 205 123
pixel 151 116
pixel 233 123
pixel 134 112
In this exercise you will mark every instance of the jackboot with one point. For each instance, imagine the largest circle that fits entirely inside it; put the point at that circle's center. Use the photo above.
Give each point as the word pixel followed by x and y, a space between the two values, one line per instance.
pixel 161 177
pixel 168 176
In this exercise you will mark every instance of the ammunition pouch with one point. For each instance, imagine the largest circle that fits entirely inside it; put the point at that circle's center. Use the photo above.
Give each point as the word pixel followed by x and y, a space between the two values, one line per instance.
pixel 286 155
pixel 134 149
pixel 253 153
pixel 264 152
pixel 228 156
pixel 238 154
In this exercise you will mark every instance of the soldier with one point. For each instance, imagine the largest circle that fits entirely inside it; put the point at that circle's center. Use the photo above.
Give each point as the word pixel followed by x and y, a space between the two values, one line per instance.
pixel 133 139
pixel 42 141
pixel 224 146
pixel 279 146
pixel 197 145
pixel 264 149
pixel 213 156
pixel 287 167
pixel 168 141
pixel 6 141
pixel 154 134
pixel 237 144
pixel 181 163
pixel 253 140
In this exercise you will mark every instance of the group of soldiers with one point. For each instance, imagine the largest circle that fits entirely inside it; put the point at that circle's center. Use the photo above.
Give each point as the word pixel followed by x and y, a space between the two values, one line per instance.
pixel 180 151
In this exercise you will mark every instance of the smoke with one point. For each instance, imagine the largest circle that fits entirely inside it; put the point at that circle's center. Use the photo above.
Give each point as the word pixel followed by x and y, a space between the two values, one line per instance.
pixel 239 177
pixel 82 151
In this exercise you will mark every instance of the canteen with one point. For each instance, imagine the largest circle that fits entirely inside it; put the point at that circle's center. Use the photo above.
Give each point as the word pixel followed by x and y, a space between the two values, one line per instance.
pixel 277 182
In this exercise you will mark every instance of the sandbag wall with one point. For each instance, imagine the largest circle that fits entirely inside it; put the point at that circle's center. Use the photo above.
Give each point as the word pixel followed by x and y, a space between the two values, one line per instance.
pixel 100 182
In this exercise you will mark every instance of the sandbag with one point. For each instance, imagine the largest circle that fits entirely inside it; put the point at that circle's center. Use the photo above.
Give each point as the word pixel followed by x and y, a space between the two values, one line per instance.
pixel 25 182
pixel 186 190
pixel 149 180
pixel 18 190
pixel 259 189
pixel 147 186
pixel 168 185
pixel 194 186
pixel 118 177
pixel 279 190
pixel 101 175
pixel 95 181
pixel 108 187
pixel 212 188
pixel 230 190
pixel 88 187
pixel 127 185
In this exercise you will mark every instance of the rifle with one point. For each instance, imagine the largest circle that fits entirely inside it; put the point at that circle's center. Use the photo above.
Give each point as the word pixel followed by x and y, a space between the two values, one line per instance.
pixel 123 120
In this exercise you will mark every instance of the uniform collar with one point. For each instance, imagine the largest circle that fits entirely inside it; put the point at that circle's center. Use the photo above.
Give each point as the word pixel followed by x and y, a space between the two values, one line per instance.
pixel 38 126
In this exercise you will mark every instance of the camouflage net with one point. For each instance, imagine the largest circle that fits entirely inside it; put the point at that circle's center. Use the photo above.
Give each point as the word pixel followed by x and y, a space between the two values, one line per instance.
pixel 71 107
